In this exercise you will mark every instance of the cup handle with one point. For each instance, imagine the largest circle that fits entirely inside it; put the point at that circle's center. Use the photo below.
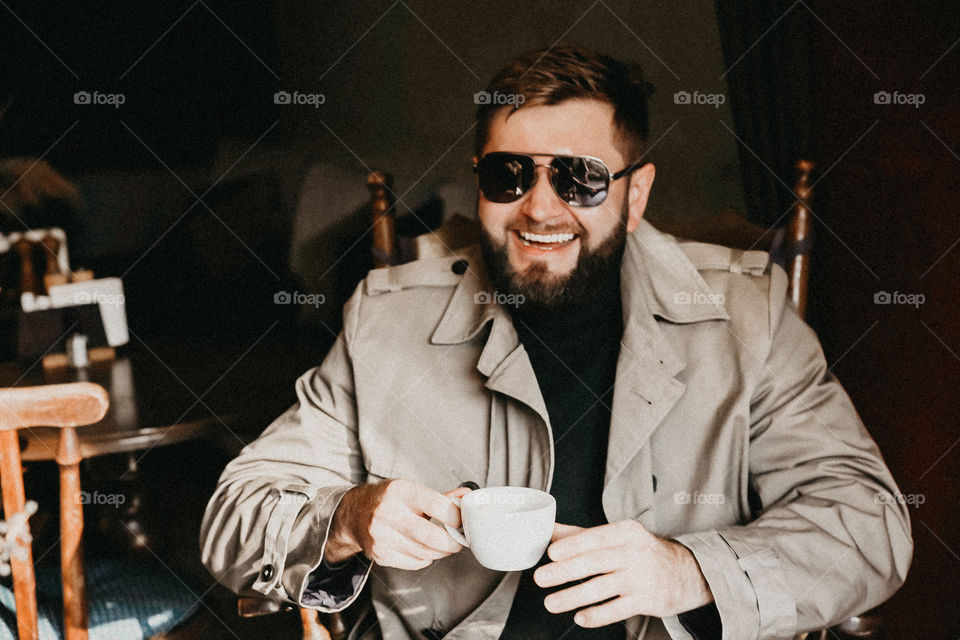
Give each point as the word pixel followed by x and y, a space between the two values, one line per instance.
pixel 457 534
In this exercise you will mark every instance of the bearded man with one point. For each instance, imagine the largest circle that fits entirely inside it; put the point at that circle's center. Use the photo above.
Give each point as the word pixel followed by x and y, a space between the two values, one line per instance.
pixel 711 476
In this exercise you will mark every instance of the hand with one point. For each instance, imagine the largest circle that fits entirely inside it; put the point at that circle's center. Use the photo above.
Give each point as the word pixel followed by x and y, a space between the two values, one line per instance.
pixel 644 574
pixel 390 523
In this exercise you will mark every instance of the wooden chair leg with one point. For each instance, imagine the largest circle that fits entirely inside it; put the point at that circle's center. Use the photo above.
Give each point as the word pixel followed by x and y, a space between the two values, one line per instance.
pixel 312 629
pixel 71 540
pixel 21 558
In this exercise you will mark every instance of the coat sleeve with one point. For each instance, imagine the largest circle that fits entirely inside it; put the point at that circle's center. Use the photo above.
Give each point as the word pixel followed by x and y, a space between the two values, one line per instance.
pixel 266 526
pixel 832 539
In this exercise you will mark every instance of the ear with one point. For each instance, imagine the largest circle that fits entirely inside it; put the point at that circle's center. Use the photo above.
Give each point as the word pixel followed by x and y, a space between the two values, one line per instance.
pixel 641 181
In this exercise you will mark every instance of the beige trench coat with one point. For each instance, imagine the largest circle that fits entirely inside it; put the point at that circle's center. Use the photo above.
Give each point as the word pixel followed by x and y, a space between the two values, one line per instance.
pixel 723 403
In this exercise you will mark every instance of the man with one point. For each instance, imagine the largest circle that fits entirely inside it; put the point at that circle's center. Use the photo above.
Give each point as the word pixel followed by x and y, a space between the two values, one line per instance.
pixel 710 474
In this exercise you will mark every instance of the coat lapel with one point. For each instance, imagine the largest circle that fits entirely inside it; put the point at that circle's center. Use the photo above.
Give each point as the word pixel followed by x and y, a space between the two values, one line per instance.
pixel 654 272
pixel 503 360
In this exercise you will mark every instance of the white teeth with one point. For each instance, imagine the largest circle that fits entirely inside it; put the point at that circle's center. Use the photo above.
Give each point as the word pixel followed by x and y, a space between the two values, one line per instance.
pixel 551 239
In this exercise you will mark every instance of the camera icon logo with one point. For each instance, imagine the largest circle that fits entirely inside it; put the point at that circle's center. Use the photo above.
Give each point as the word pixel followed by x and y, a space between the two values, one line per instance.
pixel 81 97
pixel 882 297
pixel 482 97
pixel 282 297
pixel 682 297
pixel 681 97
pixel 881 97
pixel 482 297
pixel 281 97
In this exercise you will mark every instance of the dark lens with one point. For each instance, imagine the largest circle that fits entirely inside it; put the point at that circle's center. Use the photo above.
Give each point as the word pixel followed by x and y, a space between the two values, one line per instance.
pixel 580 181
pixel 504 177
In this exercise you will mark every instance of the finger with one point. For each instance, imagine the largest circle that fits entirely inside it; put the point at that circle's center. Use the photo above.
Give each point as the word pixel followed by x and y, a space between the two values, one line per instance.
pixel 607 613
pixel 577 568
pixel 426 533
pixel 398 560
pixel 564 530
pixel 392 548
pixel 590 592
pixel 607 535
pixel 432 504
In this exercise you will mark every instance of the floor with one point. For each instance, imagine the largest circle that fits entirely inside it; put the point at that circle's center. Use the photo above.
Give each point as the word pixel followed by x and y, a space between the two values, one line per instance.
pixel 169 493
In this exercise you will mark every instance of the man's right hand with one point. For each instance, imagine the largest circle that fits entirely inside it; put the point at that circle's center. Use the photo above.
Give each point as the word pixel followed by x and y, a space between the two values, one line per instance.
pixel 390 522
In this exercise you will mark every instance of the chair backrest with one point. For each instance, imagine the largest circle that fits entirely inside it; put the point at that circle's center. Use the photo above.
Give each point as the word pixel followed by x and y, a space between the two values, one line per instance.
pixel 789 244
pixel 64 406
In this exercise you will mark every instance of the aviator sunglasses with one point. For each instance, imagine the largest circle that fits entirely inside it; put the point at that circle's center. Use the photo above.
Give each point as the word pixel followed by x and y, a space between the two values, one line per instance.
pixel 580 181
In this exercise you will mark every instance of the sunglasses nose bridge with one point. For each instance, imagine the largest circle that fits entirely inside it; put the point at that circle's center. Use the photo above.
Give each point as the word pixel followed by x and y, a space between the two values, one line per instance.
pixel 541 201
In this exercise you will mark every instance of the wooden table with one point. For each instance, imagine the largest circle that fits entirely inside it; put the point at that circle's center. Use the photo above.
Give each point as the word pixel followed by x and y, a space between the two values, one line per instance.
pixel 170 392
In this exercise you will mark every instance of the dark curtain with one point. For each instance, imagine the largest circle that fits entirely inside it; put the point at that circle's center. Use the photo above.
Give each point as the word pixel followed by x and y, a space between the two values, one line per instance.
pixel 769 58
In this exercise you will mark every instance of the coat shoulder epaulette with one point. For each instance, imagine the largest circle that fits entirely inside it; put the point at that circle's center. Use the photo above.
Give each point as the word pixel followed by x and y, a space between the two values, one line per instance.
pixel 432 272
pixel 713 257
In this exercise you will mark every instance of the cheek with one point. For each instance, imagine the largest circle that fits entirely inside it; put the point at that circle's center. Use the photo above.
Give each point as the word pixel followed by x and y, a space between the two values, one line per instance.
pixel 600 226
pixel 494 219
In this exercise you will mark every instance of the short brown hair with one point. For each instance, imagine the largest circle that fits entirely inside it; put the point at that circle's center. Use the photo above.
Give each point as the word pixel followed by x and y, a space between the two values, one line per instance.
pixel 550 76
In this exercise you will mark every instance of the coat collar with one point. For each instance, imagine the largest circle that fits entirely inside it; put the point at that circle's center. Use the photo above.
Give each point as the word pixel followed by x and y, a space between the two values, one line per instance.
pixel 657 279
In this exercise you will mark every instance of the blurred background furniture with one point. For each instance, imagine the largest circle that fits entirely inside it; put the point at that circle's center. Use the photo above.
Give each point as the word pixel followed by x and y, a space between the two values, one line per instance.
pixel 120 600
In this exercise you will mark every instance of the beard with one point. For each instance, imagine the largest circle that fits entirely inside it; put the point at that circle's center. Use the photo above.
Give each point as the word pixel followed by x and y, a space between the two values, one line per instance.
pixel 544 291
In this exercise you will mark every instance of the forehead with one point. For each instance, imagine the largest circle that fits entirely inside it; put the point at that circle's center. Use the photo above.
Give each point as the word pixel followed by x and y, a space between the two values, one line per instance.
pixel 579 126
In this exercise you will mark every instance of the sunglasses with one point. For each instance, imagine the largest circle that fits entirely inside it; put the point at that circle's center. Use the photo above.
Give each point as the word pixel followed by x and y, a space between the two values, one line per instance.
pixel 580 181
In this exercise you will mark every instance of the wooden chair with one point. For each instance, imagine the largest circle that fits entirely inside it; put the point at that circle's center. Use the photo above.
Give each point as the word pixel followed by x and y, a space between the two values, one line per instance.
pixel 789 245
pixel 66 407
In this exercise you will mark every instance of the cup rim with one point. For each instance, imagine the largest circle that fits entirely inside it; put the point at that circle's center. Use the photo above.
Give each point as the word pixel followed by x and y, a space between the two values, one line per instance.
pixel 549 501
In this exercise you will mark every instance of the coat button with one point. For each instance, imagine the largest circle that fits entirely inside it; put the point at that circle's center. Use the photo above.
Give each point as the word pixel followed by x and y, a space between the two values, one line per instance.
pixel 470 484
pixel 267 573
pixel 460 267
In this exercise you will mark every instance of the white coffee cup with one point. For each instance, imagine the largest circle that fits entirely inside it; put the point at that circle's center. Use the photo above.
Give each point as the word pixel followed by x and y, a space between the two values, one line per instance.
pixel 506 528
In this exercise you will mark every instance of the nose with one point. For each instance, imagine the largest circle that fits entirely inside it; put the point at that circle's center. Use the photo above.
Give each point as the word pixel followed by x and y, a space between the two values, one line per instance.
pixel 540 202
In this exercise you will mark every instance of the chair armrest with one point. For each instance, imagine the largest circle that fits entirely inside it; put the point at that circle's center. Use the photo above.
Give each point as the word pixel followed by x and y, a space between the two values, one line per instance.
pixel 253 607
pixel 863 626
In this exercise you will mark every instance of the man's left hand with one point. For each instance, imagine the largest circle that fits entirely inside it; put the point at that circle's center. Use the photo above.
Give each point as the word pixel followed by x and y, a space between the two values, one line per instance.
pixel 634 573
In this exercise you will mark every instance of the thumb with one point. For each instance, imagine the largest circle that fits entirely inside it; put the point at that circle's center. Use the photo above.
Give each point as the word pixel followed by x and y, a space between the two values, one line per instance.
pixel 561 531
pixel 459 492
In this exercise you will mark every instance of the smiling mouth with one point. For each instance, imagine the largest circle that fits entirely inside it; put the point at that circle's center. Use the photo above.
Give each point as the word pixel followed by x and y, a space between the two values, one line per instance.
pixel 546 241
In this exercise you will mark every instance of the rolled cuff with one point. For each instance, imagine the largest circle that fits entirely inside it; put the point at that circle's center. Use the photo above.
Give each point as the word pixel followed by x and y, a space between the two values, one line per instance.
pixel 746 579
pixel 333 589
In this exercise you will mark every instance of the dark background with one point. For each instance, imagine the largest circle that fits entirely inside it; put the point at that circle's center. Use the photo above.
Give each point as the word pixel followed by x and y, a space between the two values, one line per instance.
pixel 398 77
